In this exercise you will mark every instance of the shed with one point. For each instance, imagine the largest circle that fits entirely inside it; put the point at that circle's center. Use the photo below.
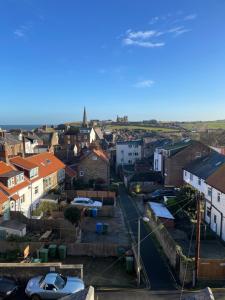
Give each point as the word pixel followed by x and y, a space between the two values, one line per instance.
pixel 13 227
pixel 161 212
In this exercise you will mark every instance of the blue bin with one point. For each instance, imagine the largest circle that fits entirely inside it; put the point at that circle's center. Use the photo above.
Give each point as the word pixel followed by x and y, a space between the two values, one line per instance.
pixel 94 212
pixel 99 228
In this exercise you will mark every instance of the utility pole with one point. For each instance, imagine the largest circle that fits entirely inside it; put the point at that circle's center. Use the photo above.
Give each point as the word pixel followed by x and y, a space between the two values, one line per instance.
pixel 138 252
pixel 198 236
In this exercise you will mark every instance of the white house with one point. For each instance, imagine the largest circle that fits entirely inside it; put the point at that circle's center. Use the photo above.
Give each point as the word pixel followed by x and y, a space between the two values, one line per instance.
pixel 127 152
pixel 207 175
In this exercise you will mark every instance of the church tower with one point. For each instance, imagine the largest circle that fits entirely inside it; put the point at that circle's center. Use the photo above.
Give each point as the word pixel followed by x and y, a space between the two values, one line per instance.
pixel 85 122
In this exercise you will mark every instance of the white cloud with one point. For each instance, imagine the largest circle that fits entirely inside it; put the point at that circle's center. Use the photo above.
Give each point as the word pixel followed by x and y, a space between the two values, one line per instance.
pixel 19 33
pixel 144 83
pixel 178 30
pixel 142 38
pixel 22 31
pixel 190 17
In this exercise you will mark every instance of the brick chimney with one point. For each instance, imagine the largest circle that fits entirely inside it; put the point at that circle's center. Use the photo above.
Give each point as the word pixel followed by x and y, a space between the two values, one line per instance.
pixel 24 146
pixel 5 153
pixel 2 133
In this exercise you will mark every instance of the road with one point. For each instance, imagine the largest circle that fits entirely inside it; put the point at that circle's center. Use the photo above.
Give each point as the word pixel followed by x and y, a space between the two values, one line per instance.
pixel 156 269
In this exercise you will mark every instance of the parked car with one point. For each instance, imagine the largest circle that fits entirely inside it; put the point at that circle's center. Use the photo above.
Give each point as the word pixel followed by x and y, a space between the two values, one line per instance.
pixel 53 286
pixel 8 287
pixel 159 194
pixel 87 202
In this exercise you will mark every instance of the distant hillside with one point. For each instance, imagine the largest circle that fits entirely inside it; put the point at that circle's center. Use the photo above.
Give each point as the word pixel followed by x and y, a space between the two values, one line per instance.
pixel 203 125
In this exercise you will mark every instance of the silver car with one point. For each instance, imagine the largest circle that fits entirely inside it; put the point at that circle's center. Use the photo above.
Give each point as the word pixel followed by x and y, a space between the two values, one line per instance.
pixel 53 286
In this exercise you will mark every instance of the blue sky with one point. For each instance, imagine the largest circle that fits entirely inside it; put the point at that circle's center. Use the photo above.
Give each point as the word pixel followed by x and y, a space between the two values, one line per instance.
pixel 162 59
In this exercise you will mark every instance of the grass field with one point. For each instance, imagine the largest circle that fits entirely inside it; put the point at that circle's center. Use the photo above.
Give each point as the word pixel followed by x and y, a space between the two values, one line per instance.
pixel 140 127
pixel 204 125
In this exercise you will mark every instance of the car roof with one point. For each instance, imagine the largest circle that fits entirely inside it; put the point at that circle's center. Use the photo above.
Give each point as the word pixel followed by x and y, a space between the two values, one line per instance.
pixel 50 278
pixel 81 198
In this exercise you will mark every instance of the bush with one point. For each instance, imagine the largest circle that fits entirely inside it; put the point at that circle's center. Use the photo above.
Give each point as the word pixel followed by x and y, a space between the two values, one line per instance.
pixel 72 214
pixel 45 207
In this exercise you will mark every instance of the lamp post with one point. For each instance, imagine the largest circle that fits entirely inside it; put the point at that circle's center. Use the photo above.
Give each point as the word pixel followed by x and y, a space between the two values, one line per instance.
pixel 145 219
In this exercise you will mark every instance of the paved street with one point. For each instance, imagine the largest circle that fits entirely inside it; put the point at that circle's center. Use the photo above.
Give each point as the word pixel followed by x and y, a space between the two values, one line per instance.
pixel 157 271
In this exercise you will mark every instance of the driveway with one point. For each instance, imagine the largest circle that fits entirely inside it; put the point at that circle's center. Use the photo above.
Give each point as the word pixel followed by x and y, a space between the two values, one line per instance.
pixel 156 268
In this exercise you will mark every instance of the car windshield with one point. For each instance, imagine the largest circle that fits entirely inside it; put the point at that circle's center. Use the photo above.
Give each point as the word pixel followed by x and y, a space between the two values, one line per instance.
pixel 60 282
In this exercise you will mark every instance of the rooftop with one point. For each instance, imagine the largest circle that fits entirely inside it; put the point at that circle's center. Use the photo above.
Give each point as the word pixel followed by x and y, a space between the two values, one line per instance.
pixel 23 163
pixel 207 165
pixel 130 142
pixel 160 210
pixel 217 179
pixel 13 224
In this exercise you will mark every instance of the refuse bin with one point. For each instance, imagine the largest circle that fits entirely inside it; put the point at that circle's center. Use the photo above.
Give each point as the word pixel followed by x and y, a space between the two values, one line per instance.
pixel 52 250
pixel 99 228
pixel 62 252
pixel 129 264
pixel 43 255
pixel 94 212
pixel 105 227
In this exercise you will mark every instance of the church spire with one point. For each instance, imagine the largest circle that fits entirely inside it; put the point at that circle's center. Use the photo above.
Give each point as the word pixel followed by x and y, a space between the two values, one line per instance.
pixel 85 122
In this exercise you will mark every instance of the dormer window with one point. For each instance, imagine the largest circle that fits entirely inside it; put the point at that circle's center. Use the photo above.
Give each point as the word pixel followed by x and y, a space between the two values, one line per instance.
pixel 11 182
pixel 33 173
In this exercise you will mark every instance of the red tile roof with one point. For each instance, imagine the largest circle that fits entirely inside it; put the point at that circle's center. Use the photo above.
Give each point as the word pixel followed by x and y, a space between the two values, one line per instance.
pixel 23 163
pixel 47 162
pixel 101 154
pixel 3 197
pixel 4 168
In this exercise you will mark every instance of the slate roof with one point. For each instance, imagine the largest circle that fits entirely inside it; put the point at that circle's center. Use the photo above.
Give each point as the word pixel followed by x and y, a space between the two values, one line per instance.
pixel 131 142
pixel 207 165
pixel 147 176
pixel 217 179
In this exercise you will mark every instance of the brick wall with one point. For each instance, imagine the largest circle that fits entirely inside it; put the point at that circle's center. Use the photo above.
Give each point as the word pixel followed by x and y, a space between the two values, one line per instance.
pixel 174 165
pixel 94 169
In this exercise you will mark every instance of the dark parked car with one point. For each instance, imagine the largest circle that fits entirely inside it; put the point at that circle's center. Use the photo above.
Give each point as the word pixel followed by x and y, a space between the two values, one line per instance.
pixel 8 287
pixel 159 194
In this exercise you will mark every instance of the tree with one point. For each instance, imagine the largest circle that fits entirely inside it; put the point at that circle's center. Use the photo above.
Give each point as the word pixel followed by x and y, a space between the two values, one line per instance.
pixel 72 214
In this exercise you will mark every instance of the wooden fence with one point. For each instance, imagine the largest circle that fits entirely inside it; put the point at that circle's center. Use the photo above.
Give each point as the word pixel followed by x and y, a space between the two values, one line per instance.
pixel 212 269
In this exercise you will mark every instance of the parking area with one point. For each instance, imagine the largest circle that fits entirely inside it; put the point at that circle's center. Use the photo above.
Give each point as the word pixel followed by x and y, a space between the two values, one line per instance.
pixel 116 229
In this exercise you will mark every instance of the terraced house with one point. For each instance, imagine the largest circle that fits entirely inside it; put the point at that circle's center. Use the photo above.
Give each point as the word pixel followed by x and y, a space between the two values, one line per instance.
pixel 207 175
pixel 24 181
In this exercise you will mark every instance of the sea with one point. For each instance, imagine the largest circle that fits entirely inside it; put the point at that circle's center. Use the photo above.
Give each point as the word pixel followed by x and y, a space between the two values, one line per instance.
pixel 23 127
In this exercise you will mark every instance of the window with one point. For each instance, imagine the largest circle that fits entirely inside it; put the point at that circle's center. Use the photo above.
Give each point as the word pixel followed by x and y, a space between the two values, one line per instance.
pixel 22 199
pixel 129 161
pixel 218 197
pixel 214 218
pixel 209 191
pixel 208 212
pixel 130 154
pixel 81 173
pixel 191 176
pixel 121 160
pixel 130 146
pixel 136 145
pixel 36 190
pixel 33 172
pixel 136 153
pixel 199 181
pixel 122 151
pixel 185 173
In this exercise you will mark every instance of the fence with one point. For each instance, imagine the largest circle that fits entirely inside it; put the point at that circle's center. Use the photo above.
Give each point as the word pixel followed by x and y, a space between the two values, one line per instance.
pixel 212 269
pixel 182 265
pixel 108 198
pixel 24 271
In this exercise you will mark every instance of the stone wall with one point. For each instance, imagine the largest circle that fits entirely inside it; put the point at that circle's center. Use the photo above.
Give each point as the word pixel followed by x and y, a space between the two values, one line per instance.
pixel 182 266
pixel 24 271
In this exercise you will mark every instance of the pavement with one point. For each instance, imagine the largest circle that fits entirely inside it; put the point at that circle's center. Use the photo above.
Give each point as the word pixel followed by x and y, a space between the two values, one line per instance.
pixel 157 271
